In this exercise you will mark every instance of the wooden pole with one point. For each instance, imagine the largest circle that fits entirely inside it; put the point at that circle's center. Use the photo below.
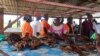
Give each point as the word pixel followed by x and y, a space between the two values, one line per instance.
pixel 1 20
pixel 80 27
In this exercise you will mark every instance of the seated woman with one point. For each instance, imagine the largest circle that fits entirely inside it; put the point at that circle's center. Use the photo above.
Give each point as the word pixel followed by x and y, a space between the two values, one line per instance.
pixel 26 27
pixel 69 26
pixel 45 25
pixel 58 27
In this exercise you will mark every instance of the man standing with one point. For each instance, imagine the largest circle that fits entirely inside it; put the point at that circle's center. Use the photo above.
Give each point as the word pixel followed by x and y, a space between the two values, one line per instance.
pixel 87 25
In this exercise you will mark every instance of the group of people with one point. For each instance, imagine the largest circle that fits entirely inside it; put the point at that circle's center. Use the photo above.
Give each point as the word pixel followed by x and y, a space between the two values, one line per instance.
pixel 58 27
pixel 43 28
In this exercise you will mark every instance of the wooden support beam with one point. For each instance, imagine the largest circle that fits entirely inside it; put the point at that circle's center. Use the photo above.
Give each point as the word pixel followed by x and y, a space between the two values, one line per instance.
pixel 79 9
pixel 50 11
pixel 72 12
pixel 80 27
pixel 63 5
pixel 20 17
pixel 1 20
pixel 68 13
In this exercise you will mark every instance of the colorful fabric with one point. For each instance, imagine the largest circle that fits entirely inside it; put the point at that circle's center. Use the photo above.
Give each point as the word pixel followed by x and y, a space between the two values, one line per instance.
pixel 2 37
pixel 58 29
pixel 41 51
pixel 66 27
pixel 93 36
pixel 69 28
pixel 26 28
pixel 46 26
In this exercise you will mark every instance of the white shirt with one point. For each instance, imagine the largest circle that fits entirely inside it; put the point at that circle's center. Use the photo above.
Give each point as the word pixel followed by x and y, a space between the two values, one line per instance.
pixel 36 25
pixel 94 25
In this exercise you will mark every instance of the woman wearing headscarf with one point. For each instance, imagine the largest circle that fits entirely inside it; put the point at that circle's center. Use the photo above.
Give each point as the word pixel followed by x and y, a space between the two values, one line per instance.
pixel 58 27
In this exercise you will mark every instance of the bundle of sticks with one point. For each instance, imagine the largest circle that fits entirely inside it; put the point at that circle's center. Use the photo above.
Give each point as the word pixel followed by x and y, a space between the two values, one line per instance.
pixel 84 38
pixel 77 48
pixel 49 40
pixel 35 43
pixel 98 40
pixel 13 38
pixel 22 43
pixel 31 42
